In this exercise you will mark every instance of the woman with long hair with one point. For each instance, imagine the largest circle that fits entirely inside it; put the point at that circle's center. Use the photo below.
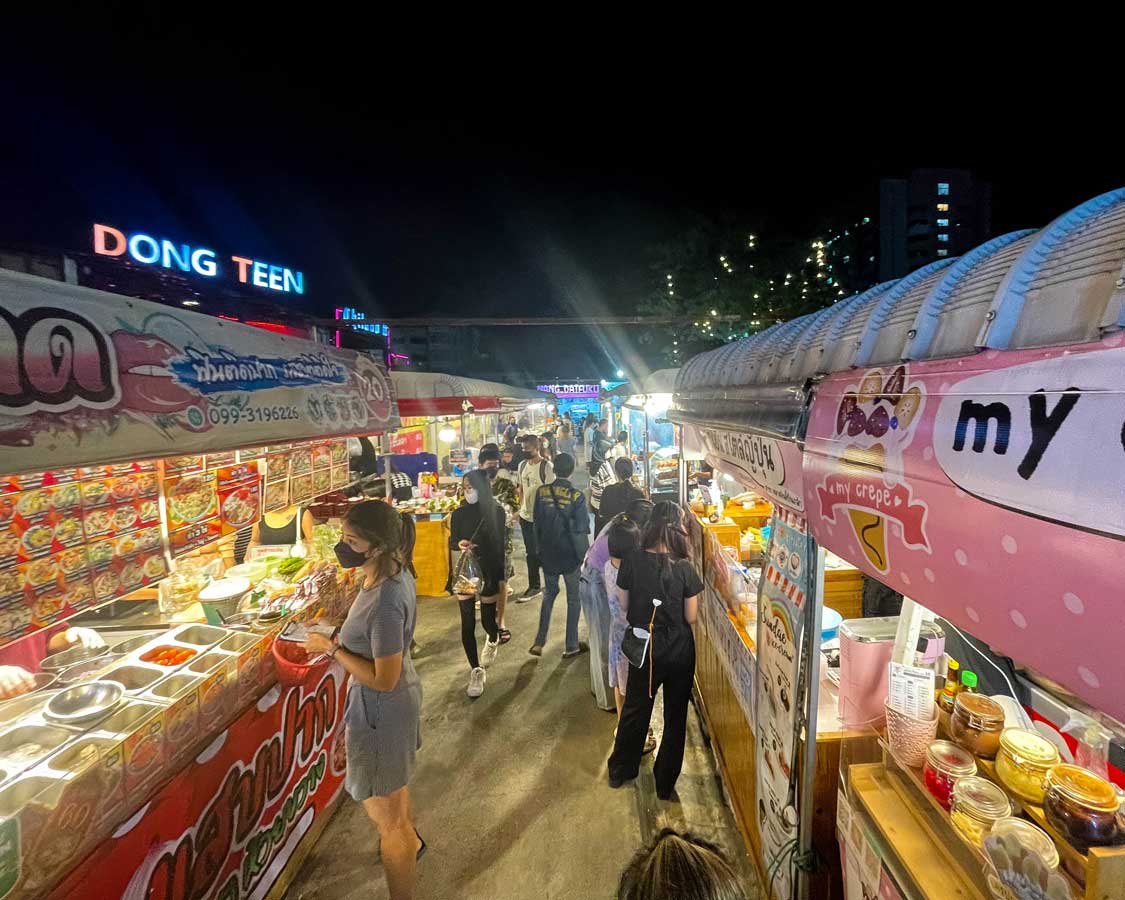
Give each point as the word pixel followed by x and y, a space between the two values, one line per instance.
pixel 478 524
pixel 659 589
pixel 682 866
pixel 382 717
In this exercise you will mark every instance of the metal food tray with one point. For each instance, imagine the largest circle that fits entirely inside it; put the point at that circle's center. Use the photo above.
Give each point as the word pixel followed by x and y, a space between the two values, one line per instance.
pixel 199 636
pixel 173 687
pixel 207 662
pixel 165 640
pixel 27 743
pixel 134 676
pixel 21 790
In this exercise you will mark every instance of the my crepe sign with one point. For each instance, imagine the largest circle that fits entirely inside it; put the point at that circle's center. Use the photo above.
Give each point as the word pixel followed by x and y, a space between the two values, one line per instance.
pixel 876 419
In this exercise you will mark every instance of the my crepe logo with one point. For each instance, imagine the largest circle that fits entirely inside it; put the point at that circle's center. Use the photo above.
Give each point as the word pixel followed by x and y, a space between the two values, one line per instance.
pixel 877 416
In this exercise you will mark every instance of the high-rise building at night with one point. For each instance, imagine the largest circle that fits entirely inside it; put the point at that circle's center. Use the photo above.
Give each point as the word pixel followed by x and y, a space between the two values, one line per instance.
pixel 929 215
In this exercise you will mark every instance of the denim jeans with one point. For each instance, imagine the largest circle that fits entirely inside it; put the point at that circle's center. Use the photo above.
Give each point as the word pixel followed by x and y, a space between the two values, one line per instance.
pixel 573 607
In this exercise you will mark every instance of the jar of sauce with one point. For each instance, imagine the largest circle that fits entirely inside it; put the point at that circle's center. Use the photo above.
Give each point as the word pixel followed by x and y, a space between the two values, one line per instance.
pixel 1023 761
pixel 1081 807
pixel 976 724
pixel 977 805
pixel 945 764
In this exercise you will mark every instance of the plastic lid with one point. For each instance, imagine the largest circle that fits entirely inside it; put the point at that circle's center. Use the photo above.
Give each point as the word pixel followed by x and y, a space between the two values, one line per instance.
pixel 981 797
pixel 1083 787
pixel 947 757
pixel 969 679
pixel 980 707
pixel 1030 837
pixel 225 588
pixel 1029 746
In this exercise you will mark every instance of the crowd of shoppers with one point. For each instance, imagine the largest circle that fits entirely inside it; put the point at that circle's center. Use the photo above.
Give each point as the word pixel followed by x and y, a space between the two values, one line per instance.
pixel 633 584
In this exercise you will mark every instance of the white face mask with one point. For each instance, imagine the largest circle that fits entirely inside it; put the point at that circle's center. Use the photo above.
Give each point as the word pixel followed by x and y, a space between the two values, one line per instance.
pixel 471 495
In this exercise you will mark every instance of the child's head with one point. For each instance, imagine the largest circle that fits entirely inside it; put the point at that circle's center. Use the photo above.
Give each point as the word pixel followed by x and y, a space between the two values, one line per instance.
pixel 623 537
pixel 680 866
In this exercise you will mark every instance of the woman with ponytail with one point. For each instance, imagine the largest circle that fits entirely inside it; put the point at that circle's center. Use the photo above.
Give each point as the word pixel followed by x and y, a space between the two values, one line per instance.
pixel 382 716
pixel 659 589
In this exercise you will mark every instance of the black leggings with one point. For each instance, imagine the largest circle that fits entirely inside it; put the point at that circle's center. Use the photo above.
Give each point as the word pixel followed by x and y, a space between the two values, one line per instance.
pixel 469 626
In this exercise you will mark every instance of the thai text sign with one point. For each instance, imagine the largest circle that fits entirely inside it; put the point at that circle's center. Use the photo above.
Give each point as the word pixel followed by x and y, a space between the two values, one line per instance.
pixel 96 377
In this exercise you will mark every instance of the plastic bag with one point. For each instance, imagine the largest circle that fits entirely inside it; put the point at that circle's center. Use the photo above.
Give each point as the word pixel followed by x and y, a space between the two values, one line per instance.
pixel 467 578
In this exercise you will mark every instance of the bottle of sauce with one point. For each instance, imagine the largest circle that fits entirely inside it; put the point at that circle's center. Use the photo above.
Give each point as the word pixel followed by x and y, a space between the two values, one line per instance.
pixel 952 684
pixel 969 682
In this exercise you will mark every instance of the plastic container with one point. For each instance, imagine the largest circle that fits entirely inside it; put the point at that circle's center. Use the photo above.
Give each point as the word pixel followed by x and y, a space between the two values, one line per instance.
pixel 1081 807
pixel 1029 837
pixel 977 805
pixel 221 598
pixel 976 724
pixel 946 764
pixel 909 737
pixel 1023 762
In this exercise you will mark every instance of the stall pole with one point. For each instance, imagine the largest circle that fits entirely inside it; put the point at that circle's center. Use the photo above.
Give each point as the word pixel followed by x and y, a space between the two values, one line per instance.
pixel 681 468
pixel 645 456
pixel 814 613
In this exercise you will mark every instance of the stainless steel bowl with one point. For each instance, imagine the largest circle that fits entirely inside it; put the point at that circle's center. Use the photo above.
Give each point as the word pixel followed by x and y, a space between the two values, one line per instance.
pixel 72 657
pixel 84 702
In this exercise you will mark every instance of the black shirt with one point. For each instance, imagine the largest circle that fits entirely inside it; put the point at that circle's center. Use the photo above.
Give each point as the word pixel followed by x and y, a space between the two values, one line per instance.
pixel 466 525
pixel 617 497
pixel 647 575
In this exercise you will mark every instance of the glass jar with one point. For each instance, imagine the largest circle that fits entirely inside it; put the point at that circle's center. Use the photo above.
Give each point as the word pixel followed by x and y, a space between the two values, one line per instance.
pixel 1081 807
pixel 976 724
pixel 1019 834
pixel 945 764
pixel 1023 761
pixel 977 804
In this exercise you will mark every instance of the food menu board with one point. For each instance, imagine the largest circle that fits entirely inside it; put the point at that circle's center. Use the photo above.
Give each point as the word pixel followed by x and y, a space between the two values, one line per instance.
pixel 193 511
pixel 275 495
pixel 240 496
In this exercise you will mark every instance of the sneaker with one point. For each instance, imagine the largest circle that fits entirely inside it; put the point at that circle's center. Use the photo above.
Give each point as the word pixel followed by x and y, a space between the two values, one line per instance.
pixel 536 650
pixel 583 647
pixel 476 682
pixel 529 594
pixel 488 655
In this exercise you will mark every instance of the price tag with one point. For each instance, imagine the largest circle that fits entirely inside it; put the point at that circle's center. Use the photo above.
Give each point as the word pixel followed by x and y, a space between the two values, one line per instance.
pixel 911 690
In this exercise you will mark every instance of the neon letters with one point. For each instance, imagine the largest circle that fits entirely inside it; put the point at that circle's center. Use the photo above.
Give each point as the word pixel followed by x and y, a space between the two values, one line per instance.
pixel 150 251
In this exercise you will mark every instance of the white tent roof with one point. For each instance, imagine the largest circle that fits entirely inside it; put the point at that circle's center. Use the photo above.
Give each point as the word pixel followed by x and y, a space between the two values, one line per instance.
pixel 428 385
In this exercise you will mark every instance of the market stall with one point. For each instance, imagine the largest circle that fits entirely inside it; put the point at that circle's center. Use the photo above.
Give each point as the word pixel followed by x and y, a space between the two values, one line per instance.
pixel 956 435
pixel 461 414
pixel 643 407
pixel 182 758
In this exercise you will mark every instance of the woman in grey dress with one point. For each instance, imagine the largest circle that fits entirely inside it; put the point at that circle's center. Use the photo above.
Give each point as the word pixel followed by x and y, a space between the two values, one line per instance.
pixel 382 716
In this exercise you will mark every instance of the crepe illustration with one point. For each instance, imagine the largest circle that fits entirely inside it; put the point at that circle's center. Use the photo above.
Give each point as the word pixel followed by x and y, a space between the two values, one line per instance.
pixel 871 530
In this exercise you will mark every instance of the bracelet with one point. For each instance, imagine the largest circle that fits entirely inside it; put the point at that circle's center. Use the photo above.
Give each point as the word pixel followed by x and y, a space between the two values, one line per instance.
pixel 332 652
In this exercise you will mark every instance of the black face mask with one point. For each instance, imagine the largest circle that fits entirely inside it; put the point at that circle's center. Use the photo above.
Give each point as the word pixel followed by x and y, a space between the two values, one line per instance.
pixel 349 557
pixel 491 473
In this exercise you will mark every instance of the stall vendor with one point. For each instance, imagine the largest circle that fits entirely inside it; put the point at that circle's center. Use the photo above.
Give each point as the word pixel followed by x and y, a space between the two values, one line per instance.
pixel 280 527
pixel 21 659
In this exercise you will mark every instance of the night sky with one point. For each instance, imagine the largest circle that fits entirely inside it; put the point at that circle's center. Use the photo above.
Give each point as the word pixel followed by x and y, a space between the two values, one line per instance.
pixel 497 205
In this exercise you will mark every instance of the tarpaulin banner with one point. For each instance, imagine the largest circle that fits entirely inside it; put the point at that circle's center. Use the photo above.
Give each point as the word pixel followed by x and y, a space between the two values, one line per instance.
pixel 88 376
pixel 225 827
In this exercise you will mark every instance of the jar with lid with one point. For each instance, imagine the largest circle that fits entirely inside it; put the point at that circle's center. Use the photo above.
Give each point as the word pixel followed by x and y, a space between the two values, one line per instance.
pixel 976 724
pixel 977 804
pixel 1020 834
pixel 1023 761
pixel 1082 807
pixel 945 763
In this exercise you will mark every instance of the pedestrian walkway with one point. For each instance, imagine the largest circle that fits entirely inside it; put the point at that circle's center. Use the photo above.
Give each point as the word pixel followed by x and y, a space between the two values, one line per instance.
pixel 510 792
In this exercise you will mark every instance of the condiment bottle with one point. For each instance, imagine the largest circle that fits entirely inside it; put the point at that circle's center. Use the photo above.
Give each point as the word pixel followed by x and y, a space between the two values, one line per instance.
pixel 969 681
pixel 949 691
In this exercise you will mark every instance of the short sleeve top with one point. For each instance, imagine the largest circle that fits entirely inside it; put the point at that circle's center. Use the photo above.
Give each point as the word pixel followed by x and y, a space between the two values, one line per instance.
pixel 646 576
pixel 381 623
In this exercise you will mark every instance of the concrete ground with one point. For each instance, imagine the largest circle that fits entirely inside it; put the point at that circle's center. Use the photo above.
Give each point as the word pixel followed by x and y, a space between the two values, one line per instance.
pixel 510 791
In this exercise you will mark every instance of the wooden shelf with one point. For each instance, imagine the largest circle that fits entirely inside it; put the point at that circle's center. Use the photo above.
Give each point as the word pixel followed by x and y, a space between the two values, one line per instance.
pixel 924 862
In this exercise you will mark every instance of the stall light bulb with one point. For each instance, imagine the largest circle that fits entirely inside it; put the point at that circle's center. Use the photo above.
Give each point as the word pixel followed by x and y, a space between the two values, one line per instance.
pixel 447 435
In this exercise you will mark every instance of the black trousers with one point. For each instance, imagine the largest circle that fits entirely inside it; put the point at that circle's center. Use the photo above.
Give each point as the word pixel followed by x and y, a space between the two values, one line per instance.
pixel 676 677
pixel 469 626
pixel 534 579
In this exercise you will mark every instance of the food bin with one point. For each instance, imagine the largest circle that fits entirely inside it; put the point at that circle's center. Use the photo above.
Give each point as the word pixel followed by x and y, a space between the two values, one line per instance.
pixel 26 743
pixel 135 677
pixel 249 669
pixel 218 690
pixel 43 848
pixel 140 726
pixel 198 636
pixel 179 695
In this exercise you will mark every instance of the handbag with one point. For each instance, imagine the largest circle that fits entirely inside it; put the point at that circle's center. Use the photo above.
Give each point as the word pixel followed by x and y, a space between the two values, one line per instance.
pixel 635 645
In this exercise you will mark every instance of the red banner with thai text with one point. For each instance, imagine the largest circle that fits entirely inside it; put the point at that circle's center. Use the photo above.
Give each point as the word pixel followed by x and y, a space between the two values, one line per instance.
pixel 227 825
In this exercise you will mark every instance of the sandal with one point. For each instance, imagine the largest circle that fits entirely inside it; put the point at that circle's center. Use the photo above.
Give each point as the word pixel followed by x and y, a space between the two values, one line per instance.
pixel 650 743
pixel 504 635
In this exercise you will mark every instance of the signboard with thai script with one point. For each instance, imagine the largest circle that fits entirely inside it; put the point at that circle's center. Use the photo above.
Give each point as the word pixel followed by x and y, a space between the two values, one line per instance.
pixel 763 464
pixel 95 377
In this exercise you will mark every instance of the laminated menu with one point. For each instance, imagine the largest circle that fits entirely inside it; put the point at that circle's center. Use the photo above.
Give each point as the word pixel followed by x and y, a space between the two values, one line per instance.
pixel 39 522
pixel 339 453
pixel 193 511
pixel 300 461
pixel 300 487
pixel 240 496
pixel 13 483
pixel 321 481
pixel 341 476
pixel 277 466
pixel 276 495
pixel 114 506
pixel 175 465
pixel 215 460
pixel 121 565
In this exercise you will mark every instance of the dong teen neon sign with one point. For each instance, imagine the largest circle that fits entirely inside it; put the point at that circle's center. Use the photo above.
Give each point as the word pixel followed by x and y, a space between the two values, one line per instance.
pixel 150 251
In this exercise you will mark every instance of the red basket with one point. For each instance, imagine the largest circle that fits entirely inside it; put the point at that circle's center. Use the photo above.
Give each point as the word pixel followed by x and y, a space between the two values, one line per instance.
pixel 294 666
